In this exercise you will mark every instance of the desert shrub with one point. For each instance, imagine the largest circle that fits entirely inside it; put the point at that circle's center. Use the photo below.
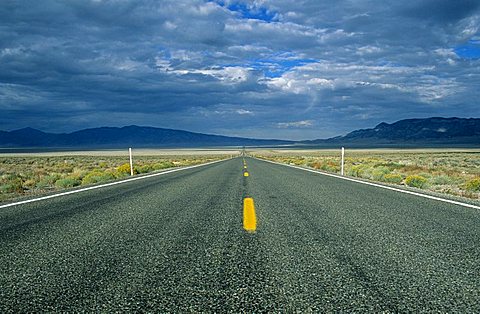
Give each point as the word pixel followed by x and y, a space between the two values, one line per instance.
pixel 379 173
pixel 426 175
pixel 40 172
pixel 186 162
pixel 7 188
pixel 125 169
pixel 327 165
pixel 97 176
pixel 442 180
pixel 30 183
pixel 163 165
pixel 357 170
pixel 315 165
pixel 143 169
pixel 65 169
pixel 416 181
pixel 11 183
pixel 393 178
pixel 412 168
pixel 14 186
pixel 78 173
pixel 297 162
pixel 391 165
pixel 48 181
pixel 473 185
pixel 330 166
pixel 67 182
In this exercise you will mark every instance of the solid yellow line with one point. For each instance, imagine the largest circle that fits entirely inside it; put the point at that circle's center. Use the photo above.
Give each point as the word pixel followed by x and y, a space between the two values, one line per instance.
pixel 249 217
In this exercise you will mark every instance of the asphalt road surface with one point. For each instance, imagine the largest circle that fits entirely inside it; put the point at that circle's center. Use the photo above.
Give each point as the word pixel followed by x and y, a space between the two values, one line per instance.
pixel 176 243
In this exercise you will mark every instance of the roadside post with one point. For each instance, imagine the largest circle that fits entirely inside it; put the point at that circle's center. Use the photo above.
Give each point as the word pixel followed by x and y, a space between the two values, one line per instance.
pixel 131 161
pixel 343 161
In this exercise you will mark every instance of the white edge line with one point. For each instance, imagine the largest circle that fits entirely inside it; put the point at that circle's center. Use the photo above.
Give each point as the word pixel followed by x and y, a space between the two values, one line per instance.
pixel 376 185
pixel 109 184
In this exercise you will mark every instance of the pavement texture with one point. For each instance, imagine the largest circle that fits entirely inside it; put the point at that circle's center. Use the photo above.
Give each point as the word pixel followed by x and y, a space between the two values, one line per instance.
pixel 176 243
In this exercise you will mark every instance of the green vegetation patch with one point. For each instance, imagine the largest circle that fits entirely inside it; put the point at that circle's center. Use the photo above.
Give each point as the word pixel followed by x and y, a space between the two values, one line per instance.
pixel 97 176
pixel 416 181
pixel 68 182
pixel 394 178
pixel 473 185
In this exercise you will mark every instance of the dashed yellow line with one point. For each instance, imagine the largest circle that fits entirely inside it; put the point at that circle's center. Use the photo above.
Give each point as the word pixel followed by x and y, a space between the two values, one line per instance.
pixel 249 216
pixel 245 172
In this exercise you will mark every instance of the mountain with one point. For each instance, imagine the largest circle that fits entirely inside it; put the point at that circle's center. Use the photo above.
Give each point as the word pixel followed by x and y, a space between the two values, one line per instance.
pixel 28 137
pixel 413 132
pixel 134 136
pixel 429 132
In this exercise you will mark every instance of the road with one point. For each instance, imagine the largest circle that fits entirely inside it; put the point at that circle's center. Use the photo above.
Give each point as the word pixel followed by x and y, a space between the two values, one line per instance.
pixel 176 243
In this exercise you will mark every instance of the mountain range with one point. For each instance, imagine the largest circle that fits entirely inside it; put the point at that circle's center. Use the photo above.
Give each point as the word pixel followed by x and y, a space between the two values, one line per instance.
pixel 412 133
pixel 134 136
pixel 404 133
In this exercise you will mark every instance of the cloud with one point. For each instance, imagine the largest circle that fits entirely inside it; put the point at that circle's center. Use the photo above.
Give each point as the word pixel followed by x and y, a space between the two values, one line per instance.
pixel 365 50
pixel 237 67
pixel 295 124
pixel 244 112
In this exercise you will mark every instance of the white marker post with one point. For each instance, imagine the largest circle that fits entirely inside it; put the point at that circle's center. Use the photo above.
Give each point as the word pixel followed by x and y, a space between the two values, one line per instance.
pixel 343 160
pixel 131 161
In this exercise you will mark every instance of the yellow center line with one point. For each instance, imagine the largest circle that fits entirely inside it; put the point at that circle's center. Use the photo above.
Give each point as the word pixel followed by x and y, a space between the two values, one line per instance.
pixel 245 174
pixel 249 217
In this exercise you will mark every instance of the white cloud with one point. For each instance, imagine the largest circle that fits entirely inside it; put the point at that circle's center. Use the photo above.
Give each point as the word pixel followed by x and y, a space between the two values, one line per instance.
pixel 448 55
pixel 185 55
pixel 170 25
pixel 244 112
pixel 162 64
pixel 11 51
pixel 128 65
pixel 297 81
pixel 296 124
pixel 445 52
pixel 368 50
pixel 227 74
pixel 249 48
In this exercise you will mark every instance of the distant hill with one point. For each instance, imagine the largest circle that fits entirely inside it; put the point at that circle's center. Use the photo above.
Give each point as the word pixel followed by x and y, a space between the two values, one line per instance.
pixel 135 136
pixel 429 132
pixel 412 132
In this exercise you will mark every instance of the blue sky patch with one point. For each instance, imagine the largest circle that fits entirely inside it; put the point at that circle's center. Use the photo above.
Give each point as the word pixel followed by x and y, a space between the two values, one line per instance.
pixel 470 50
pixel 275 66
pixel 249 11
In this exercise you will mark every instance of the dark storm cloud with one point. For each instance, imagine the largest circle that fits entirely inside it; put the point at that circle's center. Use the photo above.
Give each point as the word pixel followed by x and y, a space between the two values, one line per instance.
pixel 288 69
pixel 442 11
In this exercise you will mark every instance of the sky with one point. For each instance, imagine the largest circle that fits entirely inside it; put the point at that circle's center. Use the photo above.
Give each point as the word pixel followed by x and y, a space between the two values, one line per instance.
pixel 263 69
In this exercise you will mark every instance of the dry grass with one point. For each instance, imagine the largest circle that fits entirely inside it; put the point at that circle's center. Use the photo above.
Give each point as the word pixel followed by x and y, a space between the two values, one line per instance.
pixel 455 172
pixel 37 173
